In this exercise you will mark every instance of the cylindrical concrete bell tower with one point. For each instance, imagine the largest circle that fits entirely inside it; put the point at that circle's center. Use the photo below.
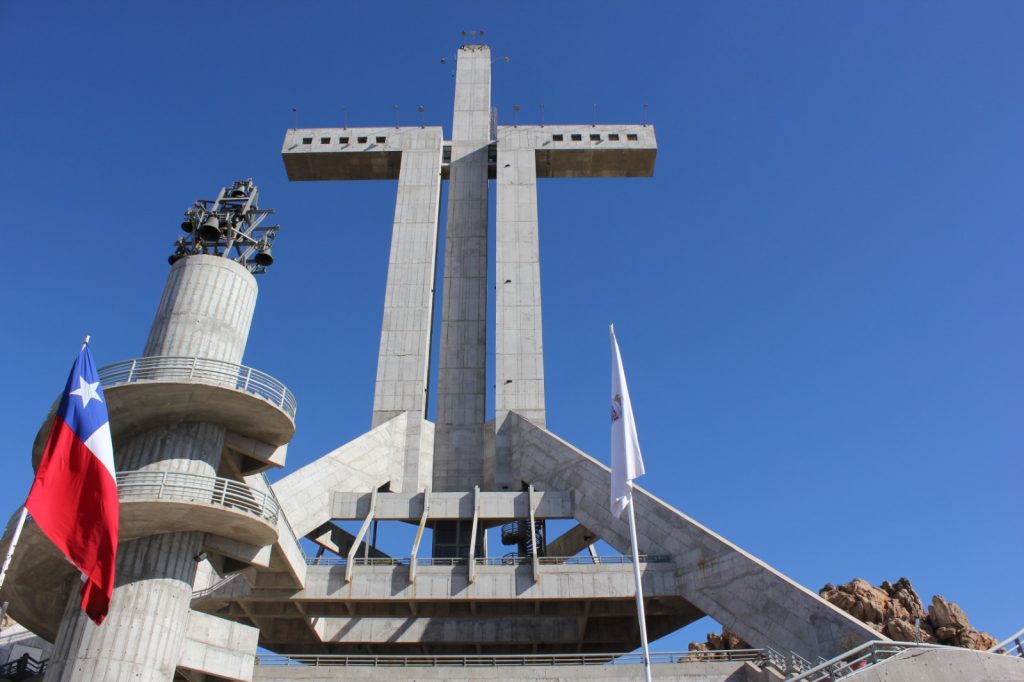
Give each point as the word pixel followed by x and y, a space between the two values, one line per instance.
pixel 170 412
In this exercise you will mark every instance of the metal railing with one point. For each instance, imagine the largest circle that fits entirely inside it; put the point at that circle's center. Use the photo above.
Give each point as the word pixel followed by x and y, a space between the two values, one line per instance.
pixel 757 656
pixel 484 561
pixel 22 668
pixel 1011 646
pixel 203 371
pixel 178 486
pixel 856 659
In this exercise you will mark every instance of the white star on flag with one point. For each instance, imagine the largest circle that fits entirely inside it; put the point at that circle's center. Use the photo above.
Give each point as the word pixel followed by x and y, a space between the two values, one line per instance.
pixel 86 391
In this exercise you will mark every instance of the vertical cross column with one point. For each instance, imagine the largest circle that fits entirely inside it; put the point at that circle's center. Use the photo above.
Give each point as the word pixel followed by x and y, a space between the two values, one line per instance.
pixel 461 388
pixel 519 348
pixel 404 359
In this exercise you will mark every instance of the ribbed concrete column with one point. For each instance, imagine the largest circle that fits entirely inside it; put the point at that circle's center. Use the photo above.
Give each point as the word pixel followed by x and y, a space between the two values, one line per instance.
pixel 519 347
pixel 205 311
pixel 403 363
pixel 462 381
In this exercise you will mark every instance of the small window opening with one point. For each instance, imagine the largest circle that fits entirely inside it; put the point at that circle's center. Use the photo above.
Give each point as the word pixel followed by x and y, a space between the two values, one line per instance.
pixel 613 137
pixel 558 138
pixel 361 140
pixel 307 140
pixel 325 140
pixel 631 137
pixel 576 137
pixel 342 140
pixel 381 139
pixel 594 137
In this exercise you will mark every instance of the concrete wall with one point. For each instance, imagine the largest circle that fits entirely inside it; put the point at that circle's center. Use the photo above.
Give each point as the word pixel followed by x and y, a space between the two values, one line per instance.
pixel 363 464
pixel 668 672
pixel 219 647
pixel 944 665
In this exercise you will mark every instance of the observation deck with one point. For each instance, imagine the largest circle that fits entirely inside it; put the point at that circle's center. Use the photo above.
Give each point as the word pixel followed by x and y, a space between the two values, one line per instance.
pixel 383 609
pixel 151 503
pixel 154 502
pixel 150 391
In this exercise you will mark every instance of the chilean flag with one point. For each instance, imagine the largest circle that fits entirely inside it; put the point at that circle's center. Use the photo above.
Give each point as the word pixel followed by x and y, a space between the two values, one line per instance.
pixel 74 497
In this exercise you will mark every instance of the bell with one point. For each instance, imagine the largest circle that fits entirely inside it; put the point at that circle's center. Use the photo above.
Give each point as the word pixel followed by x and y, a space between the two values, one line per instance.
pixel 237 191
pixel 209 231
pixel 264 257
pixel 187 226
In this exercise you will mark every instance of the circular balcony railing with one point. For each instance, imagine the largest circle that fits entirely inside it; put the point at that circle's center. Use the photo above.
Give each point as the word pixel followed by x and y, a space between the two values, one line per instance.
pixel 176 486
pixel 200 370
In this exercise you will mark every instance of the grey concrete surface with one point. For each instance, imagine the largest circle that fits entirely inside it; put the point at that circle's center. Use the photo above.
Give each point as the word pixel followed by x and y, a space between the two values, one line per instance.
pixel 944 665
pixel 744 594
pixel 214 646
pixel 404 359
pixel 363 464
pixel 461 378
pixel 668 672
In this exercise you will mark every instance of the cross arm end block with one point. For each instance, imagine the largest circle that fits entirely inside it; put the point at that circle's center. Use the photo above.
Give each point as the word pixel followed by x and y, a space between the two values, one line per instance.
pixel 347 153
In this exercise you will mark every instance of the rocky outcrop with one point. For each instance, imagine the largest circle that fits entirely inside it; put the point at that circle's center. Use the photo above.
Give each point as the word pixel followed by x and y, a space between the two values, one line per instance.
pixel 895 610
pixel 727 641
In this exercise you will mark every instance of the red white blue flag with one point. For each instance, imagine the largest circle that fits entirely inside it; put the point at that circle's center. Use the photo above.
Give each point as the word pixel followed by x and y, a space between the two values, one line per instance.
pixel 74 497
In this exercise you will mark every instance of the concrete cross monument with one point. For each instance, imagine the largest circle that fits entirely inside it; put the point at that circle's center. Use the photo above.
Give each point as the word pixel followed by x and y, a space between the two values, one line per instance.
pixel 462 475
pixel 211 564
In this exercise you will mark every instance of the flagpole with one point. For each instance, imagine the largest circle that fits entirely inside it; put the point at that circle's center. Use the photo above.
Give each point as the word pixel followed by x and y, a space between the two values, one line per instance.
pixel 639 590
pixel 13 544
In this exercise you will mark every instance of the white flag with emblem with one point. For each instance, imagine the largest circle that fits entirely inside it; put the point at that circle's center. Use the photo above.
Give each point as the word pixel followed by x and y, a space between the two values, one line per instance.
pixel 627 463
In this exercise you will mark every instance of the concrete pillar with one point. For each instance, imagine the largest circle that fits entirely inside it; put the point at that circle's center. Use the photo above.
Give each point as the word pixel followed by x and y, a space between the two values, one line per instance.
pixel 205 311
pixel 403 364
pixel 462 381
pixel 519 347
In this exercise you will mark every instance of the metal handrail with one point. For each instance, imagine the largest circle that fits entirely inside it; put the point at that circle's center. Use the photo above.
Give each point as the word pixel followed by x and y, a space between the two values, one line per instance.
pixel 201 371
pixel 758 656
pixel 179 486
pixel 483 561
pixel 1012 645
pixel 23 668
pixel 856 659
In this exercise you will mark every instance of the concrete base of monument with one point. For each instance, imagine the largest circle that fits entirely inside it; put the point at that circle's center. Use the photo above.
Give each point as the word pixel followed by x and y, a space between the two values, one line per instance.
pixel 716 671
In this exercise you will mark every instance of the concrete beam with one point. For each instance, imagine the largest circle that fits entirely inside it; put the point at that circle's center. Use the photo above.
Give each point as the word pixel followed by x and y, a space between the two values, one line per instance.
pixel 738 590
pixel 572 541
pixel 552 504
pixel 215 646
pixel 338 540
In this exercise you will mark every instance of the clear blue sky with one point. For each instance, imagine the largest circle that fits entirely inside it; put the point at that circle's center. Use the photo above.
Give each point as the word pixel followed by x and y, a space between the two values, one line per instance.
pixel 818 295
